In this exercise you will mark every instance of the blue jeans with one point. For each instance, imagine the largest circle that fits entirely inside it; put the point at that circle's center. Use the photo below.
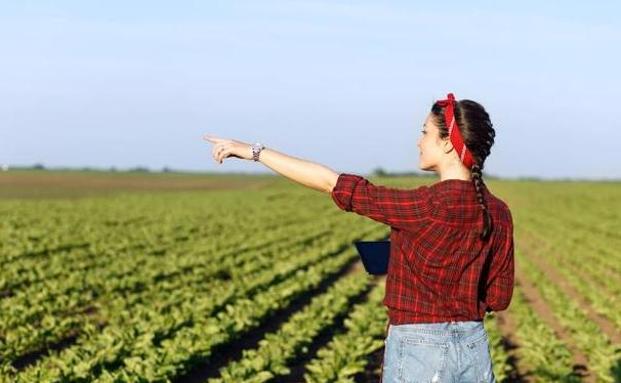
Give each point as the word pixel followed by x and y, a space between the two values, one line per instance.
pixel 437 352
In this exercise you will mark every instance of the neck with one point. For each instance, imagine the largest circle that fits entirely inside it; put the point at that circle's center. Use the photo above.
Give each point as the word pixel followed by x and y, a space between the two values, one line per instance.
pixel 454 171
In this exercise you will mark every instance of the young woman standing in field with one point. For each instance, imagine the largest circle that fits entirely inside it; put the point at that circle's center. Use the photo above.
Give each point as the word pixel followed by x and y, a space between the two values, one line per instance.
pixel 451 255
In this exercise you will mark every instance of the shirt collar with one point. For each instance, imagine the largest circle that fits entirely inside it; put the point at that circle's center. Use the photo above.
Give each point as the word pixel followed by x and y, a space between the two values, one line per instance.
pixel 456 185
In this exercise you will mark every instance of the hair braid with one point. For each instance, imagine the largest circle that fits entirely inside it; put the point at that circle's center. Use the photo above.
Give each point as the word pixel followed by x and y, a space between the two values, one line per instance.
pixel 477 179
pixel 477 130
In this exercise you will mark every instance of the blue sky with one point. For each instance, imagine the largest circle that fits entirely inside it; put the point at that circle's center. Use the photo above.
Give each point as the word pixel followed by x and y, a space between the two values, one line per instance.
pixel 344 84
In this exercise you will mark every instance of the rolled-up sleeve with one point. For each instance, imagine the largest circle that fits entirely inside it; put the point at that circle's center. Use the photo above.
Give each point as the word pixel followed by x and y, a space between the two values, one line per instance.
pixel 399 208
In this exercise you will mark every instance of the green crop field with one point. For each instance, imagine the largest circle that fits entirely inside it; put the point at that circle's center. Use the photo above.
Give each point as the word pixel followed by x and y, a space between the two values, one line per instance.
pixel 130 277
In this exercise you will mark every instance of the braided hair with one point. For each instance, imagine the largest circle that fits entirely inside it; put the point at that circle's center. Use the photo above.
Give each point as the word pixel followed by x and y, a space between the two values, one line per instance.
pixel 478 134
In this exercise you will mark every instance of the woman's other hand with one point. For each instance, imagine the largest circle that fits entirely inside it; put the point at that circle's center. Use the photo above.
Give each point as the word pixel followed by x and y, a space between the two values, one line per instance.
pixel 224 148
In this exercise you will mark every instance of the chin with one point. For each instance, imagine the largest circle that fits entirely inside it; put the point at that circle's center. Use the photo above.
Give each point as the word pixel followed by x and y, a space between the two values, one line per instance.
pixel 424 167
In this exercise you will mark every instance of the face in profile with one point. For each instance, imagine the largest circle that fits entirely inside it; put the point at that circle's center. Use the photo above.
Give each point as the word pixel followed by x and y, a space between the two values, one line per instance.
pixel 430 145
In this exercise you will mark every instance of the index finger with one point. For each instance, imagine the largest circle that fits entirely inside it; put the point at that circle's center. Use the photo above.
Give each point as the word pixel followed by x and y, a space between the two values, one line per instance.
pixel 211 138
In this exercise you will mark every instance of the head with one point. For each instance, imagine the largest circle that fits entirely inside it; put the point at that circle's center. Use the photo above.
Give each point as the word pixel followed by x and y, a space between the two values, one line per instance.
pixel 437 151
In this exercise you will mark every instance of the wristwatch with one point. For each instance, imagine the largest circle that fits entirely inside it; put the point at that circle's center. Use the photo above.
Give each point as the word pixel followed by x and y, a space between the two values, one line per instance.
pixel 256 150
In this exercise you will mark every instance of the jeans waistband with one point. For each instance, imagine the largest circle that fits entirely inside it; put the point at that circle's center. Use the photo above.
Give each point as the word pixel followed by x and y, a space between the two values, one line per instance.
pixel 453 329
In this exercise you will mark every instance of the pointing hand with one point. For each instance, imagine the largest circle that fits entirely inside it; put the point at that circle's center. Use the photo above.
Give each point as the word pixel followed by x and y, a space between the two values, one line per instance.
pixel 224 148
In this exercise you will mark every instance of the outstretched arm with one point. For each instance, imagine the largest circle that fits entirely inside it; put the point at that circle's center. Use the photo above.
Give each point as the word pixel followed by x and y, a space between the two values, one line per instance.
pixel 307 173
pixel 398 208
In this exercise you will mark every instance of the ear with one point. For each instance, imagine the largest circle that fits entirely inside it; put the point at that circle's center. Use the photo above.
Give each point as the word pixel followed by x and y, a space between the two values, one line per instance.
pixel 447 145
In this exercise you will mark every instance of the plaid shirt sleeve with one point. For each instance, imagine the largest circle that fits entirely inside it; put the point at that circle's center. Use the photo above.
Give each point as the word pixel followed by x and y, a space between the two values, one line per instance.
pixel 500 280
pixel 399 208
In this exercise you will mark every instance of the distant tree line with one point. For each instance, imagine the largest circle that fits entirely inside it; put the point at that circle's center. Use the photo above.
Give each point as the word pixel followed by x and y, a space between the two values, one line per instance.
pixel 381 172
pixel 135 169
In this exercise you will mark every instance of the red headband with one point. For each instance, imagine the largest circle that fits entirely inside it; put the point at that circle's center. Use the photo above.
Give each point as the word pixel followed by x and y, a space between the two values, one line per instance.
pixel 455 135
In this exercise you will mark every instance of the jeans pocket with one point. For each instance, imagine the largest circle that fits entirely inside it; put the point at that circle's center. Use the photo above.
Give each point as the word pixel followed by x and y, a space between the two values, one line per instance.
pixel 482 358
pixel 421 360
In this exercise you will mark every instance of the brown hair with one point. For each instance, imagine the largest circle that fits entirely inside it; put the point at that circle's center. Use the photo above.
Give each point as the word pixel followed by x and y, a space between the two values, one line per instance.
pixel 476 129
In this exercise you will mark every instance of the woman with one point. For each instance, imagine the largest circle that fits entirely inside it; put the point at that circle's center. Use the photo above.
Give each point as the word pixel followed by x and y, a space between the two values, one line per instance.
pixel 451 255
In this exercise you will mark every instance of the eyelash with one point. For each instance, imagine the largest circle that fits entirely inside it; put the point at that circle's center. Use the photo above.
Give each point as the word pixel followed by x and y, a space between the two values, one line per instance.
pixel 423 131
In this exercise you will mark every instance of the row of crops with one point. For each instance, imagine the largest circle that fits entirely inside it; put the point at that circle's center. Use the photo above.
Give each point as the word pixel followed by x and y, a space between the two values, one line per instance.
pixel 240 286
pixel 568 240
pixel 149 287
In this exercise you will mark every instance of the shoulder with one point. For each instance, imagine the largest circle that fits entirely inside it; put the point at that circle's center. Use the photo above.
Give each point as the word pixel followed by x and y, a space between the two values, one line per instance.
pixel 347 181
pixel 500 211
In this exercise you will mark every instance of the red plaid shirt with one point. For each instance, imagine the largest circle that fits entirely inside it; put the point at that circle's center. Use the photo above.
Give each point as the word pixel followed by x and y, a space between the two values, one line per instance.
pixel 439 269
